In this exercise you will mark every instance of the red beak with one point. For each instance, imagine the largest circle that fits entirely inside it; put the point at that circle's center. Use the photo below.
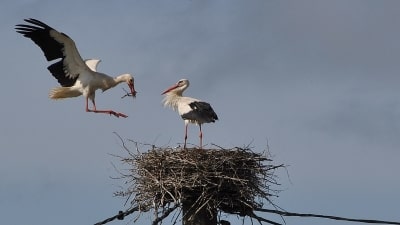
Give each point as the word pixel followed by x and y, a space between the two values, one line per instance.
pixel 170 88
pixel 132 88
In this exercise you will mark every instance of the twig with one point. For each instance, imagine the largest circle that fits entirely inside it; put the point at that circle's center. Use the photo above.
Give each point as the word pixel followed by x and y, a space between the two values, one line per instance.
pixel 127 93
pixel 166 213
pixel 218 146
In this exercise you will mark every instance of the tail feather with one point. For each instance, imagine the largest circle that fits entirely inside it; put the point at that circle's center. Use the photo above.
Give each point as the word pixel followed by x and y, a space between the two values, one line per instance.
pixel 63 92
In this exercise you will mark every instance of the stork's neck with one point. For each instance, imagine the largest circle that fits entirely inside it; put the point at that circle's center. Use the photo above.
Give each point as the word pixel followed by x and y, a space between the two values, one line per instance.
pixel 171 99
pixel 119 79
pixel 109 82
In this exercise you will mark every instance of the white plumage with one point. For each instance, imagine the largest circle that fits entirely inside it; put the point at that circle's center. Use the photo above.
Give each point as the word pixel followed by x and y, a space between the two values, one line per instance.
pixel 76 76
pixel 190 109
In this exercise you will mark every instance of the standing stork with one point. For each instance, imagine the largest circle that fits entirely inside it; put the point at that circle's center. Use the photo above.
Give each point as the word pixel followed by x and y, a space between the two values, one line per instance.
pixel 190 109
pixel 76 77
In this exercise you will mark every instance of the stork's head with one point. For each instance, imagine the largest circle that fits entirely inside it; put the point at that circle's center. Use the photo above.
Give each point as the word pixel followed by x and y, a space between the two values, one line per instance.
pixel 130 81
pixel 179 87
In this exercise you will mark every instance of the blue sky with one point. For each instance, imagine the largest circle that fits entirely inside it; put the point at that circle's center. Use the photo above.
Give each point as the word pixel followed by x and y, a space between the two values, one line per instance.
pixel 317 81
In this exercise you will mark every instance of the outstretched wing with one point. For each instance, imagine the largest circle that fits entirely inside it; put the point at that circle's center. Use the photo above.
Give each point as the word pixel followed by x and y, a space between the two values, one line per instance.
pixel 55 45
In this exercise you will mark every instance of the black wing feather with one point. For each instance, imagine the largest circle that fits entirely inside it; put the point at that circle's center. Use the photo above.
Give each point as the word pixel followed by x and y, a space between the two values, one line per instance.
pixel 58 71
pixel 52 49
pixel 202 112
pixel 40 34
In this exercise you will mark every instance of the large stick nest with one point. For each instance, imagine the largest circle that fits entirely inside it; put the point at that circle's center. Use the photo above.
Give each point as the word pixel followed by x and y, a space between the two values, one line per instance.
pixel 233 181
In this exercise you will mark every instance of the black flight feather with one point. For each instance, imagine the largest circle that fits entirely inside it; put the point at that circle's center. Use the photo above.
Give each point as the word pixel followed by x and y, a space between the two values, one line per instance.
pixel 201 112
pixel 57 70
pixel 39 33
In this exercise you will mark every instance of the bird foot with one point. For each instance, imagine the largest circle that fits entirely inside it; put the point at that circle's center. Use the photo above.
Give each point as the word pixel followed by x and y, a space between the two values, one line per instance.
pixel 118 114
pixel 110 112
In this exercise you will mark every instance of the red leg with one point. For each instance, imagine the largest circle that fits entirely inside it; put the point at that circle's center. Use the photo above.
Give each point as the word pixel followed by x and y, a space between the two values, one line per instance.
pixel 186 127
pixel 201 137
pixel 110 112
pixel 87 105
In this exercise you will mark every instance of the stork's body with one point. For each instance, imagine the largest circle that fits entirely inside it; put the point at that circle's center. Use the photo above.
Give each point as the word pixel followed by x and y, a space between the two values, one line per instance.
pixel 190 109
pixel 76 76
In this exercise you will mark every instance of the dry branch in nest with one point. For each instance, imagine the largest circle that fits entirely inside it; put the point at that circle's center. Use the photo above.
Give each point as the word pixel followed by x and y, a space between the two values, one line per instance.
pixel 234 181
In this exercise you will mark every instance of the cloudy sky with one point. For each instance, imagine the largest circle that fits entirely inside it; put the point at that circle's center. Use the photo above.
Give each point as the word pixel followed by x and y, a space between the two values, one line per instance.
pixel 316 80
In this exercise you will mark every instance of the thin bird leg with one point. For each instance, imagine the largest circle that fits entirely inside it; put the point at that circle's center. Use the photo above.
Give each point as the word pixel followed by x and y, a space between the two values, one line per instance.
pixel 110 112
pixel 201 137
pixel 186 126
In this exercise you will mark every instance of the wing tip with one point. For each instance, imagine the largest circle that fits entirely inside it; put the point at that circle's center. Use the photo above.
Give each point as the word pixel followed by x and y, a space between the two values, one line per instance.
pixel 33 25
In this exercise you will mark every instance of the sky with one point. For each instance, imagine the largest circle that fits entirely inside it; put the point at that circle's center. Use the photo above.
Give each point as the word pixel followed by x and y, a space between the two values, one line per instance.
pixel 315 80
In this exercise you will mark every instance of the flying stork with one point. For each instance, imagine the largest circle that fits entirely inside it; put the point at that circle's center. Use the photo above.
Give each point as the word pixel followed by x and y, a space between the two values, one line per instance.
pixel 190 109
pixel 76 76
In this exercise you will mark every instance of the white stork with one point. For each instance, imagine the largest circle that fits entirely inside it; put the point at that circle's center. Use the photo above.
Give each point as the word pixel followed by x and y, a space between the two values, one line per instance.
pixel 190 109
pixel 76 77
